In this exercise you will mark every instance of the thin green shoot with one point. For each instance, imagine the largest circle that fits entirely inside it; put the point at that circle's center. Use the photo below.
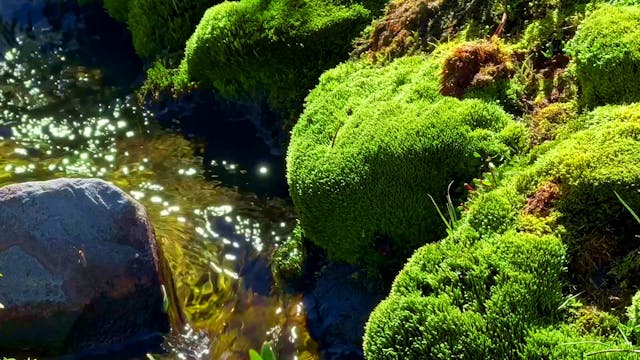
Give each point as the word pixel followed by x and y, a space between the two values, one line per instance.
pixel 452 221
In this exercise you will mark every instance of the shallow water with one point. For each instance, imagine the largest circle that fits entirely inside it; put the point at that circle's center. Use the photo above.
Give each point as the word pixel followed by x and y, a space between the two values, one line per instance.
pixel 68 109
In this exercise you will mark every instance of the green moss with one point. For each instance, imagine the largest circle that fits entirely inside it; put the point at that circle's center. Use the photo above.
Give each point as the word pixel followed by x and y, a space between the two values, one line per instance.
pixel 495 212
pixel 590 164
pixel 566 343
pixel 412 25
pixel 161 27
pixel 289 257
pixel 454 301
pixel 273 49
pixel 160 79
pixel 591 321
pixel 606 54
pixel 546 123
pixel 118 9
pixel 372 144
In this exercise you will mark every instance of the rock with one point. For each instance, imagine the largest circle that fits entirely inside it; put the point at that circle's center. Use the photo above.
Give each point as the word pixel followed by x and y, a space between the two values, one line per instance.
pixel 80 265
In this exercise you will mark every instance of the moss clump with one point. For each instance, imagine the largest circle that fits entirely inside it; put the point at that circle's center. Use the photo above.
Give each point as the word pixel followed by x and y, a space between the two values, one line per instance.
pixel 455 301
pixel 289 257
pixel 495 212
pixel 570 212
pixel 372 144
pixel 567 343
pixel 545 123
pixel 273 49
pixel 606 54
pixel 118 9
pixel 475 64
pixel 161 27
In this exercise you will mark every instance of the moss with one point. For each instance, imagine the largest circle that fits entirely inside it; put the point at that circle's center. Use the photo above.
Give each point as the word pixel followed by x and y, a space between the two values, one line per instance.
pixel 372 144
pixel 118 9
pixel 289 257
pixel 273 49
pixel 162 27
pixel 591 321
pixel 495 212
pixel 160 78
pixel 566 343
pixel 475 64
pixel 409 26
pixel 469 302
pixel 606 54
pixel 546 122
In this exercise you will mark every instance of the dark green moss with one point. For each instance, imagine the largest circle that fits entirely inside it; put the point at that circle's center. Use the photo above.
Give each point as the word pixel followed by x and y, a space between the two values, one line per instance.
pixel 289 257
pixel 273 49
pixel 161 27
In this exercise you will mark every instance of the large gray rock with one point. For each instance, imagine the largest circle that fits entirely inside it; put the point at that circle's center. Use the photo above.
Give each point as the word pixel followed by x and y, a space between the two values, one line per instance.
pixel 80 268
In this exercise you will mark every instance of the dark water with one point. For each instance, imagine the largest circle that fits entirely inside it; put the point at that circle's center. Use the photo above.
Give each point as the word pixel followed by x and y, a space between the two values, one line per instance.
pixel 210 173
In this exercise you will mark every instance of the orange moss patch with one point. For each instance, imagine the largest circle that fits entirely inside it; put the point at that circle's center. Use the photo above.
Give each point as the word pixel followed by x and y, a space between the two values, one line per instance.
pixel 475 64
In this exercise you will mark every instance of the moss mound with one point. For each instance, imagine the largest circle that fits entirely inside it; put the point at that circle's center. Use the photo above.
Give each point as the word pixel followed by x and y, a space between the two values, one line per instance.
pixel 159 28
pixel 273 49
pixel 289 257
pixel 559 205
pixel 372 144
pixel 162 27
pixel 606 54
pixel 455 301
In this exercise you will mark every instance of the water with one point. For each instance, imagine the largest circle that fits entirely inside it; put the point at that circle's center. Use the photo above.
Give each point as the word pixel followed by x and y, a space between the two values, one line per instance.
pixel 68 109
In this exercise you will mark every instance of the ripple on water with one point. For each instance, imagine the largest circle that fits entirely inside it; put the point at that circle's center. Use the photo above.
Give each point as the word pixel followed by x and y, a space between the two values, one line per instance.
pixel 58 119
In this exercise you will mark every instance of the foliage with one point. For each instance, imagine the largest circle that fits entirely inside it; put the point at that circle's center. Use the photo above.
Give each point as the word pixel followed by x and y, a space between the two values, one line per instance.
pixel 289 257
pixel 118 9
pixel 273 49
pixel 371 145
pixel 162 27
pixel 409 26
pixel 468 301
pixel 160 78
pixel 266 353
pixel 545 123
pixel 474 65
pixel 606 54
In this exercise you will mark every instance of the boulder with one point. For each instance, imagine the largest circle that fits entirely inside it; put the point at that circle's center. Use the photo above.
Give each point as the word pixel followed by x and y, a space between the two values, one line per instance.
pixel 80 269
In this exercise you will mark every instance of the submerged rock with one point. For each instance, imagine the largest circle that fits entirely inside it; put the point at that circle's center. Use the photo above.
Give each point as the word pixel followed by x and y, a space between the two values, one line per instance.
pixel 80 265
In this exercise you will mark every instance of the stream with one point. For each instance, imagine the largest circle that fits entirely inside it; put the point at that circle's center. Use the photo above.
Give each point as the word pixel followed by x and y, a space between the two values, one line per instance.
pixel 210 173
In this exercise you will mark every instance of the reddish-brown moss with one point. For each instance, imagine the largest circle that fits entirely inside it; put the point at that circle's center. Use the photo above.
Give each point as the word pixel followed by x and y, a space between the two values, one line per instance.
pixel 541 202
pixel 474 65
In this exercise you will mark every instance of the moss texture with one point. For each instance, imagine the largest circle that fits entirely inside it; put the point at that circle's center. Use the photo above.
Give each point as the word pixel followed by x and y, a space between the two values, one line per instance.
pixel 414 25
pixel 372 144
pixel 455 301
pixel 496 283
pixel 606 54
pixel 162 27
pixel 289 257
pixel 277 49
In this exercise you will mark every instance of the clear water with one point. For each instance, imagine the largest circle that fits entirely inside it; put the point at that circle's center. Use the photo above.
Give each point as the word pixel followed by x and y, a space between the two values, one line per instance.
pixel 68 109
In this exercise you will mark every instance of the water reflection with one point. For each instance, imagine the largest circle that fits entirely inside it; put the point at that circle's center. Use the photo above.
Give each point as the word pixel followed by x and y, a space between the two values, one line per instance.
pixel 59 119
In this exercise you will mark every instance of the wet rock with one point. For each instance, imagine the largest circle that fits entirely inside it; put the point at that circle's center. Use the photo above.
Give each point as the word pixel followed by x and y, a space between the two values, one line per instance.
pixel 80 261
pixel 338 307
